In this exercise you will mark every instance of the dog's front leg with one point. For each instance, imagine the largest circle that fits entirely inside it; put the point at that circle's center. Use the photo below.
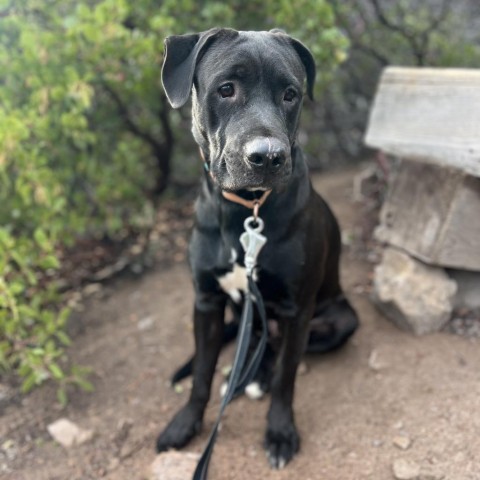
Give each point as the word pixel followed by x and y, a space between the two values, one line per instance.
pixel 208 328
pixel 281 439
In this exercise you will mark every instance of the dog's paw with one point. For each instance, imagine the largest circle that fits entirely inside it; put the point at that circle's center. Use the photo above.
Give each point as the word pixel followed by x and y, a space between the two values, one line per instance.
pixel 281 445
pixel 181 429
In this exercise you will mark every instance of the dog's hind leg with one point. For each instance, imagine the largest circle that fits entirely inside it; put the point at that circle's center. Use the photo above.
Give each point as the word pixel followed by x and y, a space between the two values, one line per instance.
pixel 333 323
pixel 334 319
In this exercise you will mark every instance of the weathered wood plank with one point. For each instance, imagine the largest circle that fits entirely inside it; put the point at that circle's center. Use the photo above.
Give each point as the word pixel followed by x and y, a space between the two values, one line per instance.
pixel 433 213
pixel 428 114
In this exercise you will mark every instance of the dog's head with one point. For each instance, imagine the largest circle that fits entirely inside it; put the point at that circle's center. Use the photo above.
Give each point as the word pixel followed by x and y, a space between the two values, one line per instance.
pixel 247 92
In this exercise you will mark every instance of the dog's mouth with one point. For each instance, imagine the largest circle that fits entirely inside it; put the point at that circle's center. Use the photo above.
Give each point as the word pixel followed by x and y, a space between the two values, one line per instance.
pixel 251 194
pixel 245 183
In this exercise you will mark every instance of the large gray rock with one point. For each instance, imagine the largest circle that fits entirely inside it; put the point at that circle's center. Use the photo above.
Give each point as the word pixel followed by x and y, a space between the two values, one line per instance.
pixel 413 295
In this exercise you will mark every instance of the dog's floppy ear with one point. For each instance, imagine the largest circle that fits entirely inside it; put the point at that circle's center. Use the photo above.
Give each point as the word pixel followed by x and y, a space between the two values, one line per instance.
pixel 309 63
pixel 180 59
pixel 305 56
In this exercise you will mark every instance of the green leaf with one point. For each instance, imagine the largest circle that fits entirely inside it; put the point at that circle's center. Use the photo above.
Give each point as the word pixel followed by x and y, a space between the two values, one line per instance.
pixel 84 384
pixel 62 396
pixel 42 239
pixel 29 382
pixel 6 239
pixel 48 262
pixel 56 371
pixel 63 337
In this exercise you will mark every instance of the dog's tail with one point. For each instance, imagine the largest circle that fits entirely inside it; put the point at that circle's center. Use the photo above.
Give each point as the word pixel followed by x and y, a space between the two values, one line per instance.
pixel 229 334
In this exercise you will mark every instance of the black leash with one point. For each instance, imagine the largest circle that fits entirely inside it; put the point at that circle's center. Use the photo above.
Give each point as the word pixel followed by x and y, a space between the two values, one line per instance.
pixel 242 374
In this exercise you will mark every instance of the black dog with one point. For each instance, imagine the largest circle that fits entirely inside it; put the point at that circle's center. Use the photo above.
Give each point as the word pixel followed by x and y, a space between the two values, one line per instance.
pixel 247 91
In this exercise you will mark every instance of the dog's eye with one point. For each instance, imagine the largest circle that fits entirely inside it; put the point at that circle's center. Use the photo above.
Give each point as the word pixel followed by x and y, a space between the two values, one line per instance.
pixel 226 90
pixel 289 95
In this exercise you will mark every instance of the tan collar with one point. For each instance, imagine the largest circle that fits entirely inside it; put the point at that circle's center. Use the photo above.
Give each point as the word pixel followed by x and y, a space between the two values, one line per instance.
pixel 252 204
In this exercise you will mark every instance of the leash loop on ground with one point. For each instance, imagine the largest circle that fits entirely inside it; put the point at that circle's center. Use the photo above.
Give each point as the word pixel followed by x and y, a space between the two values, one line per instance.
pixel 241 375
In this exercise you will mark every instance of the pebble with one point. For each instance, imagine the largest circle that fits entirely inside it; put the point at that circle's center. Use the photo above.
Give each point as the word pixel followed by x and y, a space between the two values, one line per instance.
pixel 398 425
pixel 69 434
pixel 92 289
pixel 145 323
pixel 375 363
pixel 405 470
pixel 402 442
pixel 173 466
pixel 10 449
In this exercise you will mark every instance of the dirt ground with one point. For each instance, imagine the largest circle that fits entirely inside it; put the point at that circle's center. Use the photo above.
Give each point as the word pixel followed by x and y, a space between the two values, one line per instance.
pixel 387 396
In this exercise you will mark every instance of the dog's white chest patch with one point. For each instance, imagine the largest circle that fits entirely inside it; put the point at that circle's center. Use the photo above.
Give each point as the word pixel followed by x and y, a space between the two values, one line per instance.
pixel 234 282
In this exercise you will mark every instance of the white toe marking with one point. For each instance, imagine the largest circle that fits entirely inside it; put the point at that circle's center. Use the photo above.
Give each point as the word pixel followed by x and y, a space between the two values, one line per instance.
pixel 223 389
pixel 254 391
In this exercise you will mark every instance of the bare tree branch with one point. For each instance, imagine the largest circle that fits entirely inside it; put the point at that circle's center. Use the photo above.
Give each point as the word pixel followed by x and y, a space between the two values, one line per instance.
pixel 419 41
pixel 381 59
pixel 162 150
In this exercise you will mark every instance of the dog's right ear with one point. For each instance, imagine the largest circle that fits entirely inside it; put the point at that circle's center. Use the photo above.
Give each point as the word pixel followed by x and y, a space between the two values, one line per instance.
pixel 182 53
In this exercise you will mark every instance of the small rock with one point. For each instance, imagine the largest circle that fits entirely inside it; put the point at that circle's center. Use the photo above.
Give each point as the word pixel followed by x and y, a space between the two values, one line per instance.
pixel 145 323
pixel 68 434
pixel 7 445
pixel 402 441
pixel 173 466
pixel 10 449
pixel 375 362
pixel 398 425
pixel 415 296
pixel 406 470
pixel 92 289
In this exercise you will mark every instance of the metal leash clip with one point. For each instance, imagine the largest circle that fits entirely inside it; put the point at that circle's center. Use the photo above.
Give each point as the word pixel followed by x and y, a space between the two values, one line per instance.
pixel 252 241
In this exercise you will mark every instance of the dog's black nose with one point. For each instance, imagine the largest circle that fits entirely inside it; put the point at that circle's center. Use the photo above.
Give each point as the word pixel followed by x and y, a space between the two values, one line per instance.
pixel 266 152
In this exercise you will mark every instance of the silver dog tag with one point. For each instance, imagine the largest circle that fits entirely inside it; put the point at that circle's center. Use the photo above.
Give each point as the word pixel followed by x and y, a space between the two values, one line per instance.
pixel 252 242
